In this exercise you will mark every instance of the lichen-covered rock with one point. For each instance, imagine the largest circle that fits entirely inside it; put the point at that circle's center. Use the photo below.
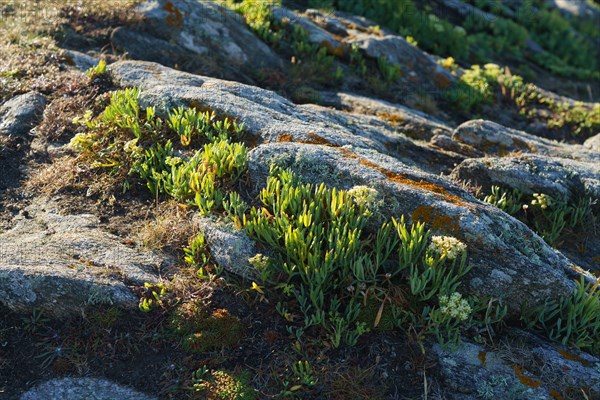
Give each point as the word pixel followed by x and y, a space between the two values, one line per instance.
pixel 64 263
pixel 196 36
pixel 490 138
pixel 344 150
pixel 229 247
pixel 510 261
pixel 523 366
pixel 19 114
pixel 82 389
pixel 272 118
pixel 593 143
pixel 560 178
pixel 413 123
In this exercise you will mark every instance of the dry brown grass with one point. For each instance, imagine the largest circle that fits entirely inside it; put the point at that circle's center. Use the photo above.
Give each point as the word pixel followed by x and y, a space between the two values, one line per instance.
pixel 29 56
pixel 55 177
pixel 169 229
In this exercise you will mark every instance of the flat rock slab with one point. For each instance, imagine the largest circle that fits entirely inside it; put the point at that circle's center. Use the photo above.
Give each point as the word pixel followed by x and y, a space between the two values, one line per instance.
pixel 63 263
pixel 82 389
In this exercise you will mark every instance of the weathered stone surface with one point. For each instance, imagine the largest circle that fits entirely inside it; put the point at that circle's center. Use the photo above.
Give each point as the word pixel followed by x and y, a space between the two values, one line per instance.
pixel 79 60
pixel 82 389
pixel 560 178
pixel 344 150
pixel 273 118
pixel 490 138
pixel 412 123
pixel 524 366
pixel 396 50
pixel 316 34
pixel 593 143
pixel 229 247
pixel 63 263
pixel 510 261
pixel 19 114
pixel 196 36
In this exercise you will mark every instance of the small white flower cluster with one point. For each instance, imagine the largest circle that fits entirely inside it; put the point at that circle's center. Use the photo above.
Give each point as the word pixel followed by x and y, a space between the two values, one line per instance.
pixel 259 261
pixel 455 306
pixel 363 195
pixel 447 246
pixel 543 200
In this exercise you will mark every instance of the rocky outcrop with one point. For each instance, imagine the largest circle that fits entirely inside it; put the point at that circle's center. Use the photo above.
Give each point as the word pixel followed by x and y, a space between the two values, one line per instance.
pixel 82 389
pixel 64 263
pixel 322 145
pixel 196 36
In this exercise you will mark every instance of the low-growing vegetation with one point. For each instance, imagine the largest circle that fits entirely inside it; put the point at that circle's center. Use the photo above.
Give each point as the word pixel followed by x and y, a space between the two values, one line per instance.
pixel 549 217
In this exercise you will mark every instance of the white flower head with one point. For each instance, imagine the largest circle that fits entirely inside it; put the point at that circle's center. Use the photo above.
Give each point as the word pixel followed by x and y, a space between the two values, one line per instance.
pixel 363 195
pixel 447 246
pixel 455 307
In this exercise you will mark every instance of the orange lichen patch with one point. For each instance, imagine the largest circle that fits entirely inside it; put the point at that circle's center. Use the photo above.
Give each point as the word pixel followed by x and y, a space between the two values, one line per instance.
pixel 482 357
pixel 404 180
pixel 574 357
pixel 523 145
pixel 313 138
pixel 524 379
pixel 436 219
pixel 285 138
pixel 442 81
pixel 555 395
pixel 175 18
pixel 392 118
pixel 337 51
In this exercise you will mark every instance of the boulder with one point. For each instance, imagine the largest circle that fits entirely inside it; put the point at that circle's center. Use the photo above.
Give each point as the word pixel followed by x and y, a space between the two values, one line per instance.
pixel 229 247
pixel 196 36
pixel 593 143
pixel 272 118
pixel 82 389
pixel 510 261
pixel 64 263
pixel 412 123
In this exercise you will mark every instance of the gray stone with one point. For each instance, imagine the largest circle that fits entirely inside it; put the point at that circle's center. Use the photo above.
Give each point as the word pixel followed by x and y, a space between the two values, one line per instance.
pixel 79 60
pixel 64 263
pixel 229 247
pixel 82 389
pixel 19 114
pixel 490 138
pixel 412 123
pixel 560 178
pixel 196 35
pixel 593 143
pixel 497 243
pixel 522 366
pixel 316 34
